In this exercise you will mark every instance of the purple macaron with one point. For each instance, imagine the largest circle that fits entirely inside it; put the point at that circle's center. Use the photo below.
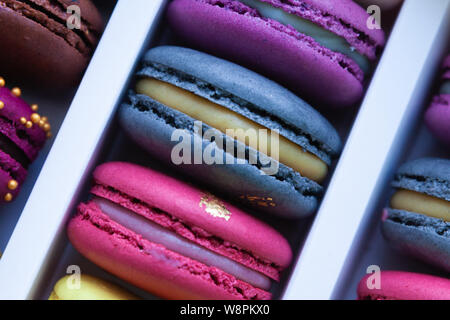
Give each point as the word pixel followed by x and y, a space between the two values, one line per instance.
pixel 320 49
pixel 437 116
pixel 22 134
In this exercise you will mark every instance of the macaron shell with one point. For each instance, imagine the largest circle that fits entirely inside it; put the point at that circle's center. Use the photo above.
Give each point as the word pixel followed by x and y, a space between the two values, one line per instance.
pixel 419 236
pixel 53 61
pixel 5 177
pixel 151 266
pixel 10 165
pixel 10 169
pixel 255 97
pixel 91 288
pixel 398 285
pixel 437 117
pixel 91 17
pixel 430 176
pixel 343 18
pixel 16 108
pixel 291 196
pixel 297 63
pixel 192 205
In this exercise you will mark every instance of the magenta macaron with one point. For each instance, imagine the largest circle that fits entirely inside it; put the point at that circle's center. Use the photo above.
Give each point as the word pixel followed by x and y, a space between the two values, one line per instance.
pixel 22 134
pixel 320 49
pixel 437 116
pixel 173 240
pixel 399 285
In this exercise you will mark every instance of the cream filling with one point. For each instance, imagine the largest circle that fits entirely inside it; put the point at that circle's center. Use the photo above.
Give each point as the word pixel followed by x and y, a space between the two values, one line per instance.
pixel 173 242
pixel 221 118
pixel 445 88
pixel 324 37
pixel 90 288
pixel 421 203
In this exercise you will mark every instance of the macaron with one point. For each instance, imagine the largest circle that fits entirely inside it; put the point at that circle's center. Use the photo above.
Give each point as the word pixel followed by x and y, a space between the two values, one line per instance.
pixel 320 49
pixel 87 287
pixel 399 285
pixel 22 134
pixel 37 44
pixel 418 219
pixel 178 88
pixel 437 116
pixel 174 240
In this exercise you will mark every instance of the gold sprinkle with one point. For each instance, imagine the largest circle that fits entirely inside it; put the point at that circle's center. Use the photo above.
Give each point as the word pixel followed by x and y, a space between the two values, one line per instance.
pixel 23 120
pixel 8 197
pixel 45 119
pixel 2 82
pixel 35 118
pixel 49 135
pixel 214 206
pixel 34 107
pixel 16 91
pixel 28 124
pixel 47 127
pixel 2 105
pixel 13 184
pixel 259 201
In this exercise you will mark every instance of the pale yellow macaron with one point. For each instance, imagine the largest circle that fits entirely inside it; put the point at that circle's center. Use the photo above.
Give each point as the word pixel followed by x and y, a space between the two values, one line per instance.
pixel 88 288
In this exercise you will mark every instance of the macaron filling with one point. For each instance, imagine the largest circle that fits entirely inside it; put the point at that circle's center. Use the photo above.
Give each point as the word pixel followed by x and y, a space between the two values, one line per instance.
pixel 223 119
pixel 322 36
pixel 445 88
pixel 170 240
pixel 413 201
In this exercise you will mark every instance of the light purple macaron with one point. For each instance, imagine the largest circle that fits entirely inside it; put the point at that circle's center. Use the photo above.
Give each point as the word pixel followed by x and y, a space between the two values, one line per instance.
pixel 437 116
pixel 320 49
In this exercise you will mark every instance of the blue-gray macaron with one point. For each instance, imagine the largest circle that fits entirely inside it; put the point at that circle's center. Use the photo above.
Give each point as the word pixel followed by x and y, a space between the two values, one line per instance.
pixel 231 130
pixel 418 220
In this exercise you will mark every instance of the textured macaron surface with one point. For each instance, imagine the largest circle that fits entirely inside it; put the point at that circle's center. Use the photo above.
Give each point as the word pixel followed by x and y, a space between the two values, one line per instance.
pixel 418 222
pixel 240 33
pixel 39 45
pixel 398 285
pixel 151 125
pixel 19 144
pixel 430 176
pixel 417 235
pixel 207 216
pixel 246 93
pixel 29 140
pixel 194 215
pixel 234 93
pixel 151 266
pixel 53 15
pixel 342 18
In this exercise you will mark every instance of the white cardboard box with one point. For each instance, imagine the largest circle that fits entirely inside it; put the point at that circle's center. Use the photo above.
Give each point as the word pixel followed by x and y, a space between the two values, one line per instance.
pixel 344 238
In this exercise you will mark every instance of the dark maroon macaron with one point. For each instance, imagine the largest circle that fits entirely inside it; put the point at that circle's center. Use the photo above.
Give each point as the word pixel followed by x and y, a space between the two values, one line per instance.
pixel 22 134
pixel 38 46
pixel 320 49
